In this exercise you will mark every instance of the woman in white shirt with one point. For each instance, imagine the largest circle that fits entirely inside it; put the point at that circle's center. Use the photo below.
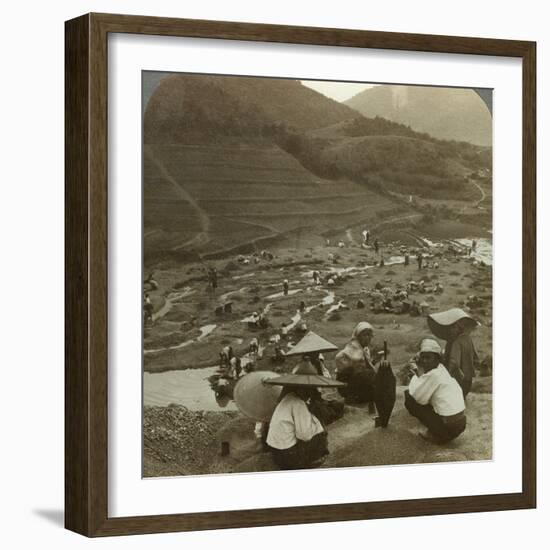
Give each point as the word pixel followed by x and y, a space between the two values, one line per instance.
pixel 296 437
pixel 435 397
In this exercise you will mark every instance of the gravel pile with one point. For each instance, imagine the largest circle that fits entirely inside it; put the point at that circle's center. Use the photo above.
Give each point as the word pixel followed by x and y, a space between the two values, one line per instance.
pixel 178 441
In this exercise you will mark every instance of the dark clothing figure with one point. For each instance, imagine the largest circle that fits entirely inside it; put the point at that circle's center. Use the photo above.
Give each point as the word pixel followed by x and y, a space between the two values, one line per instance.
pixel 376 246
pixel 285 288
pixel 419 260
pixel 262 321
pixel 249 367
pixel 327 411
pixel 253 346
pixel 355 368
pixel 213 278
pixel 238 368
pixel 147 310
pixel 360 384
pixel 279 356
pixel 326 404
pixel 461 359
pixel 443 428
pixel 406 260
pixel 226 354
pixel 153 285
pixel 303 454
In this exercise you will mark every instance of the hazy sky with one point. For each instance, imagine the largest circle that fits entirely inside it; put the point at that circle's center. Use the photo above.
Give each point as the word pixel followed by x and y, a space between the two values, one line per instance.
pixel 340 91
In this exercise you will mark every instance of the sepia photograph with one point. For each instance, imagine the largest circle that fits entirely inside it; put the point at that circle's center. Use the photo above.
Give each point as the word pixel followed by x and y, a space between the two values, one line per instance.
pixel 317 274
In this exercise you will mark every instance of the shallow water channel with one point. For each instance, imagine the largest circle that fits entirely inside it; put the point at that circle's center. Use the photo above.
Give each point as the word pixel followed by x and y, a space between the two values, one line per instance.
pixel 191 388
pixel 184 387
pixel 484 249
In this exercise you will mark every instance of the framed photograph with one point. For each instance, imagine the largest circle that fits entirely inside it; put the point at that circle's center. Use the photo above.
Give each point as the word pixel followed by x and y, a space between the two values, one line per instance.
pixel 300 275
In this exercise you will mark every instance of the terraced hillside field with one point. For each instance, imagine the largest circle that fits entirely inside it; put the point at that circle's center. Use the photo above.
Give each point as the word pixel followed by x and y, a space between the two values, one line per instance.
pixel 240 196
pixel 236 164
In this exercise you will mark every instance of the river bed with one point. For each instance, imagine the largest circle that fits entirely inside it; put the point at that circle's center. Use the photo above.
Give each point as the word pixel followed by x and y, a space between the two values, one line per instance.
pixel 484 249
pixel 189 388
pixel 204 332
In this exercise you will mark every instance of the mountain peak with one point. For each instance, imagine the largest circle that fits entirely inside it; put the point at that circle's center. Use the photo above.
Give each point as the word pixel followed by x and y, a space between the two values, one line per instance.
pixel 458 114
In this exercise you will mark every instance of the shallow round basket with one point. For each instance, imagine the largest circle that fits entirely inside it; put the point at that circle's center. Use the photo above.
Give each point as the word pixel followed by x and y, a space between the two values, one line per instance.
pixel 254 398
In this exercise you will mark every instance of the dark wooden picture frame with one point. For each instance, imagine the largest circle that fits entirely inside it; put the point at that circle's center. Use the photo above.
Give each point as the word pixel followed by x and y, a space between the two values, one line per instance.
pixel 86 282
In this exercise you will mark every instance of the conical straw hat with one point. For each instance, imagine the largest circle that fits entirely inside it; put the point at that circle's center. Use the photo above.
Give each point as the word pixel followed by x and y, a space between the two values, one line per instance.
pixel 254 397
pixel 440 323
pixel 312 343
pixel 305 375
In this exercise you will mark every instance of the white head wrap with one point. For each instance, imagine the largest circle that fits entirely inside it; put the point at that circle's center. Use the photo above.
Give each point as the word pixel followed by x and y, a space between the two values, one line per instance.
pixel 360 327
pixel 431 346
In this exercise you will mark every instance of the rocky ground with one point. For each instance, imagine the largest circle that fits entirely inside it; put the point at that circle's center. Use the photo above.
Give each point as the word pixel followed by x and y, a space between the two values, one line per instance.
pixel 179 442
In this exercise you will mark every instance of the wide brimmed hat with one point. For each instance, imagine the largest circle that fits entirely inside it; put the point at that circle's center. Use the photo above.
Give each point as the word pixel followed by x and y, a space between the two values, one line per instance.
pixel 441 323
pixel 305 376
pixel 254 397
pixel 312 343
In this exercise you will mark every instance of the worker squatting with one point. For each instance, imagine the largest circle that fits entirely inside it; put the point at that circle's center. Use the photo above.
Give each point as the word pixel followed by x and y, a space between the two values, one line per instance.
pixel 294 428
